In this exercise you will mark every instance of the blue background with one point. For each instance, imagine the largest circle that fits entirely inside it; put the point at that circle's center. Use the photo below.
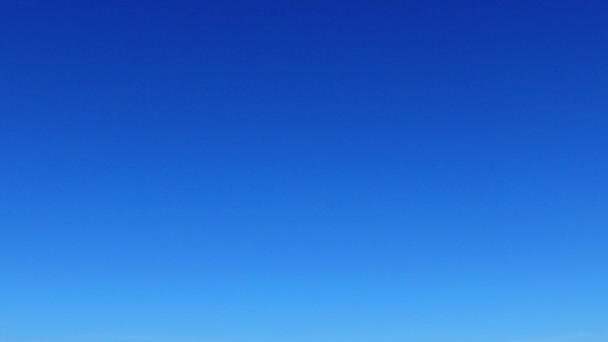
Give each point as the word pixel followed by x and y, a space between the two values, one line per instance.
pixel 319 171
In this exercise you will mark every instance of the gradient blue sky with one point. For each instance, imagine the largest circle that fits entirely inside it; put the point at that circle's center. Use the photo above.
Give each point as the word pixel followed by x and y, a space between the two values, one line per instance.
pixel 303 171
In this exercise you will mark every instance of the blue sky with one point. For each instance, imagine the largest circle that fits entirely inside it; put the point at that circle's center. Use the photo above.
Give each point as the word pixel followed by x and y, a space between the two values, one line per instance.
pixel 312 171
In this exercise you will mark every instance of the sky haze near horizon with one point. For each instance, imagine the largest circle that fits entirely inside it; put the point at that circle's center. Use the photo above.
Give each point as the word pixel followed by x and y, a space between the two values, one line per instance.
pixel 311 171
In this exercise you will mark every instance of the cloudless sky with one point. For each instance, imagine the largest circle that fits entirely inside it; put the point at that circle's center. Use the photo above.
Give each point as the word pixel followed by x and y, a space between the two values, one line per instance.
pixel 303 171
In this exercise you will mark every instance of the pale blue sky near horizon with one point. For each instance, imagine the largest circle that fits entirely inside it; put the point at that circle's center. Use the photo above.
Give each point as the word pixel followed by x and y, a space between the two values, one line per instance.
pixel 303 171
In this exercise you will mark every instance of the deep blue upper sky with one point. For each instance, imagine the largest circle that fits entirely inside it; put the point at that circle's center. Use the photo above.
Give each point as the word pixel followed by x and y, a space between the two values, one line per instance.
pixel 310 171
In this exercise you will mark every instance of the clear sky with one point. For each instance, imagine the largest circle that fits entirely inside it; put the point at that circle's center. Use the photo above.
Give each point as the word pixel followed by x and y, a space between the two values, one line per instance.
pixel 303 171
